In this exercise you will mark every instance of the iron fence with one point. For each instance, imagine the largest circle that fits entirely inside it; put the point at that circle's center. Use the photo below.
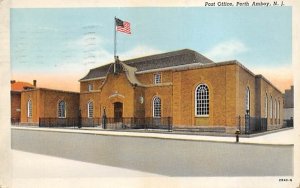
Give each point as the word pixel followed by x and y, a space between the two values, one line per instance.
pixel 110 123
pixel 58 122
pixel 246 124
pixel 250 125
pixel 288 122
pixel 90 122
pixel 15 121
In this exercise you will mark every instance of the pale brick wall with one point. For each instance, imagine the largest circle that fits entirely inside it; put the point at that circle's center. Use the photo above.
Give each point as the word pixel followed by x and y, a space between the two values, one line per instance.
pixel 117 88
pixel 96 85
pixel 227 84
pixel 221 83
pixel 165 94
pixel 148 78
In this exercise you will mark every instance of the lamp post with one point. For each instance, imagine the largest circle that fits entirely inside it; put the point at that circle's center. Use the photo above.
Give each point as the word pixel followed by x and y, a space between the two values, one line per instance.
pixel 79 119
pixel 104 119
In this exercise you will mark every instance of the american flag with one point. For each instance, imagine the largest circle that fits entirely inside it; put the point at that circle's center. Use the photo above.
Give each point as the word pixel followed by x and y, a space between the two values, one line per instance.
pixel 123 26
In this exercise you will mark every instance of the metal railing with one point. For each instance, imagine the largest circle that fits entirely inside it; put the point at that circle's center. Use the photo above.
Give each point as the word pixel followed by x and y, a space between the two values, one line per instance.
pixel 15 121
pixel 58 122
pixel 110 123
pixel 288 122
pixel 250 125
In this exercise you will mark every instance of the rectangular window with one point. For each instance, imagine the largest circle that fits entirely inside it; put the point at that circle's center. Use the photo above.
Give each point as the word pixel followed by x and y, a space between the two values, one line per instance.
pixel 90 87
pixel 157 78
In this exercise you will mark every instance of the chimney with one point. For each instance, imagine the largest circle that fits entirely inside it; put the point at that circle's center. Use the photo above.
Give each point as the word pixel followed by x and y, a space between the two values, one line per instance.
pixel 12 81
pixel 34 83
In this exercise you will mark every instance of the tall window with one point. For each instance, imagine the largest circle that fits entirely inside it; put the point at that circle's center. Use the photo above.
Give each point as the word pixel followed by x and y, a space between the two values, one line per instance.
pixel 278 111
pixel 266 106
pixel 202 100
pixel 275 109
pixel 90 108
pixel 157 78
pixel 62 109
pixel 156 107
pixel 271 107
pixel 247 100
pixel 29 108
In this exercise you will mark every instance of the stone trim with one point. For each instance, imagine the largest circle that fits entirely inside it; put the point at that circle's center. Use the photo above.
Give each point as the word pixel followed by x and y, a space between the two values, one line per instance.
pixel 91 79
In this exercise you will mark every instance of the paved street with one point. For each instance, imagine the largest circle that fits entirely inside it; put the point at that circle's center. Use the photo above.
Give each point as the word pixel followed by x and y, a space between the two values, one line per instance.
pixel 146 158
pixel 170 155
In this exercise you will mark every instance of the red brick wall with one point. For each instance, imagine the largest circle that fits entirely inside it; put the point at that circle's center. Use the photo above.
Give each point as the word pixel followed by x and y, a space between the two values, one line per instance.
pixel 15 105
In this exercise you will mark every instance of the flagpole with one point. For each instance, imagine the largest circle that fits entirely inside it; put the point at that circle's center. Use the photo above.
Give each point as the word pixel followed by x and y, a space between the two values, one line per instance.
pixel 115 45
pixel 115 41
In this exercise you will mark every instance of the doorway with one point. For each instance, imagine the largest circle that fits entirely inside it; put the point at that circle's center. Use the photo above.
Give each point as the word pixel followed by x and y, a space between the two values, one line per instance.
pixel 118 111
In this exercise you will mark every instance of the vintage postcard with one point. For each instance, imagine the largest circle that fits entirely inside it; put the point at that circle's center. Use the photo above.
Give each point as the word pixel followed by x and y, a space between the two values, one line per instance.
pixel 149 94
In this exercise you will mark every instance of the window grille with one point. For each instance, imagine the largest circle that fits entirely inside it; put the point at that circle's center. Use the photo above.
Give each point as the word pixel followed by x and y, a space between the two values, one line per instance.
pixel 29 109
pixel 156 107
pixel 90 108
pixel 62 109
pixel 275 109
pixel 247 100
pixel 266 106
pixel 157 78
pixel 271 108
pixel 201 100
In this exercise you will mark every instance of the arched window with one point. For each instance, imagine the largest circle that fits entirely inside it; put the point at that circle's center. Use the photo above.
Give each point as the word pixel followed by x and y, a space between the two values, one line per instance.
pixel 62 109
pixel 266 106
pixel 156 107
pixel 271 107
pixel 275 109
pixel 202 100
pixel 90 109
pixel 247 100
pixel 278 111
pixel 29 108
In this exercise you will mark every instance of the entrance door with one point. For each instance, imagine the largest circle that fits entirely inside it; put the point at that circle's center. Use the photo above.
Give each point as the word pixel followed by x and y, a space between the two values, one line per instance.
pixel 118 111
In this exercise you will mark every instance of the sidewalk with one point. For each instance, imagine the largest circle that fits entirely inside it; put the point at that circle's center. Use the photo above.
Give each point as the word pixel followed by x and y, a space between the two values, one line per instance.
pixel 286 136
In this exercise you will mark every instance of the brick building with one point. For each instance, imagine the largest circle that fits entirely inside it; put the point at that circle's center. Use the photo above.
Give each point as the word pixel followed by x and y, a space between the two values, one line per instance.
pixel 48 103
pixel 184 85
pixel 15 98
pixel 289 103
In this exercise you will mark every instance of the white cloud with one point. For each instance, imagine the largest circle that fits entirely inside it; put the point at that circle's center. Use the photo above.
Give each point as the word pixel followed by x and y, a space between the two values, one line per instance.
pixel 80 65
pixel 139 51
pixel 226 50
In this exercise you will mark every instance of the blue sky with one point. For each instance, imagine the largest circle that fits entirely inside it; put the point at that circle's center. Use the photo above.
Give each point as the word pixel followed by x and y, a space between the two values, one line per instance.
pixel 70 41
